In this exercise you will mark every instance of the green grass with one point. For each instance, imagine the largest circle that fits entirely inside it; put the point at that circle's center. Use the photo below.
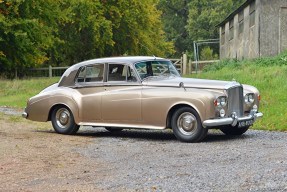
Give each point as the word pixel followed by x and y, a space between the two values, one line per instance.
pixel 15 93
pixel 269 75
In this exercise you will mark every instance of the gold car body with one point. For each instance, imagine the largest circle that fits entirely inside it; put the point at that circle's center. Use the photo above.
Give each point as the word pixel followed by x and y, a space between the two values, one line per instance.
pixel 140 102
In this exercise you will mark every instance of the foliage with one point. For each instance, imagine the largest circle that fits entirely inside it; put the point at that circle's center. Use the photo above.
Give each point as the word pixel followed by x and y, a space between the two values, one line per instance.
pixel 191 20
pixel 26 31
pixel 204 15
pixel 174 17
pixel 64 32
pixel 268 75
pixel 137 28
pixel 279 60
pixel 207 54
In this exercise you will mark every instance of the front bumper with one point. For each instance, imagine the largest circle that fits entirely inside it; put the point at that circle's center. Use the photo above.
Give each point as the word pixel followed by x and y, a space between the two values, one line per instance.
pixel 233 120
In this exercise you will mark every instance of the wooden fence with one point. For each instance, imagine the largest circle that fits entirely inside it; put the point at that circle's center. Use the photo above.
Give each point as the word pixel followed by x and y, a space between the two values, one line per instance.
pixel 183 65
pixel 47 71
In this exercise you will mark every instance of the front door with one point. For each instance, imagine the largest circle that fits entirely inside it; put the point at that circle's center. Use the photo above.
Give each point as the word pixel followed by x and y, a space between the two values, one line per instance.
pixel 121 100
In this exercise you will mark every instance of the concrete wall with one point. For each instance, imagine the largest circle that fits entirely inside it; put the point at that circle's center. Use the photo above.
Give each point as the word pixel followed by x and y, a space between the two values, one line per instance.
pixel 273 25
pixel 268 37
pixel 245 44
pixel 283 28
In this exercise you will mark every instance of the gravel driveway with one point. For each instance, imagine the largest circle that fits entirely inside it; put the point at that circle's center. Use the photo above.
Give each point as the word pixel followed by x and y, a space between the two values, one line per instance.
pixel 156 161
pixel 34 158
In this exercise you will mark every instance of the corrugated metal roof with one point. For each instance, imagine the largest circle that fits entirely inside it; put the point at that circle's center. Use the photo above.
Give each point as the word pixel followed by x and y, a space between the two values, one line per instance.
pixel 231 15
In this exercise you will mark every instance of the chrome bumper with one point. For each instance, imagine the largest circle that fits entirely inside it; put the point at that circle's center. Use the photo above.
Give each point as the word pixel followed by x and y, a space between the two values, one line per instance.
pixel 233 120
pixel 25 114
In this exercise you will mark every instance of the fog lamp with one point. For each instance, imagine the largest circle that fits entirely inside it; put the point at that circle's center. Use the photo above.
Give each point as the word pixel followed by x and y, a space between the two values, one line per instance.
pixel 222 112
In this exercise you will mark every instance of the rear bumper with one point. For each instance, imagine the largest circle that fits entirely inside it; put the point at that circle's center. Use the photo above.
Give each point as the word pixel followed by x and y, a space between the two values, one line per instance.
pixel 233 120
pixel 24 114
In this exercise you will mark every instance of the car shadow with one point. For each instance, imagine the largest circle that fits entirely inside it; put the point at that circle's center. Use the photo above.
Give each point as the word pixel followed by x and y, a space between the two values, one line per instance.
pixel 154 135
pixel 220 137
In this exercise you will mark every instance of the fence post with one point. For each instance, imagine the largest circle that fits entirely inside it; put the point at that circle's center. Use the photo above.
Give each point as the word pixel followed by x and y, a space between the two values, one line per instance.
pixel 50 71
pixel 184 64
pixel 189 66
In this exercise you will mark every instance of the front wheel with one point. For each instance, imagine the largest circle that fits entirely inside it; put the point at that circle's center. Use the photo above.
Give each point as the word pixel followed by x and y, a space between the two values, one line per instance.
pixel 186 125
pixel 63 121
pixel 229 130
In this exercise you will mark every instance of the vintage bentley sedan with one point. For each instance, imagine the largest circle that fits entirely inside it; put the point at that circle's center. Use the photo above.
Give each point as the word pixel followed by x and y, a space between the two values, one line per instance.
pixel 144 93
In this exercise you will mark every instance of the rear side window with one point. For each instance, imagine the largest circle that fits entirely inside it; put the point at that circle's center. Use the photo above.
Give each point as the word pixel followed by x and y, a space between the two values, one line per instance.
pixel 91 73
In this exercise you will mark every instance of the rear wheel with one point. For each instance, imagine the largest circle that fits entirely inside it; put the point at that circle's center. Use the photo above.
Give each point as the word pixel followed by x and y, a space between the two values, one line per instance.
pixel 229 130
pixel 63 121
pixel 186 125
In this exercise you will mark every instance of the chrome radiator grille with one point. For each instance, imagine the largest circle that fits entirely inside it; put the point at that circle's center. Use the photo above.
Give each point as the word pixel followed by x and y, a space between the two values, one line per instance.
pixel 235 100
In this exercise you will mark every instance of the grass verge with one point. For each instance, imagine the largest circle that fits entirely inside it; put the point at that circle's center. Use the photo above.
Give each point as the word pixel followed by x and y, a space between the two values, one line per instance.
pixel 15 93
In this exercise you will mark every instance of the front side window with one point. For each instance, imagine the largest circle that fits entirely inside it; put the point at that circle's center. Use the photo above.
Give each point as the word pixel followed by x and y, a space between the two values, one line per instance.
pixel 90 73
pixel 156 69
pixel 121 72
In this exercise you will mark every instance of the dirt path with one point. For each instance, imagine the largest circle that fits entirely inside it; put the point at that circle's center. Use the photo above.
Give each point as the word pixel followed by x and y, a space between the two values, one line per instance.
pixel 34 158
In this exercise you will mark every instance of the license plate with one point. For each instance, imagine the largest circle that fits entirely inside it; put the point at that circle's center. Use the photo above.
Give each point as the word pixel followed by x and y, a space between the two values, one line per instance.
pixel 245 123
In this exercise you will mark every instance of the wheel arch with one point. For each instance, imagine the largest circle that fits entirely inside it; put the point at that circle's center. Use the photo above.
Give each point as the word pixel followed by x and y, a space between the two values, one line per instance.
pixel 175 107
pixel 72 108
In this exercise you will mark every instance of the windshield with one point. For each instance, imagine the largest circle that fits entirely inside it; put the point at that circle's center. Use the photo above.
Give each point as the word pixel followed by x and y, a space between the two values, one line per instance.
pixel 156 69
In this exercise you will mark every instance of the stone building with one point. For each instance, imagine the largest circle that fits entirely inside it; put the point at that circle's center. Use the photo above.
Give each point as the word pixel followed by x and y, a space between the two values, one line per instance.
pixel 258 28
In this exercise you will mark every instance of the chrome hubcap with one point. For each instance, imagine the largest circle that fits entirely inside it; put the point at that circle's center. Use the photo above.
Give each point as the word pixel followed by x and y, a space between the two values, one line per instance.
pixel 63 118
pixel 187 123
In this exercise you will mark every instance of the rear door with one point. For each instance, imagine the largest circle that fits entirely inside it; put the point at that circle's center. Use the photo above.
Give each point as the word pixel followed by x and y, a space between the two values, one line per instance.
pixel 90 85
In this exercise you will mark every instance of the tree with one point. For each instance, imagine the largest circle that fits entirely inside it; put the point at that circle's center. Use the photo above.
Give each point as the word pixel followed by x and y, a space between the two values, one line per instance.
pixel 109 28
pixel 26 32
pixel 204 15
pixel 137 28
pixel 174 17
pixel 64 32
pixel 186 21
pixel 84 35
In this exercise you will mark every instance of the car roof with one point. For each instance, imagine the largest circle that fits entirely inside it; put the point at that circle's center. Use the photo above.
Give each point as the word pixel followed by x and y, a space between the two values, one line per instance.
pixel 69 75
pixel 128 59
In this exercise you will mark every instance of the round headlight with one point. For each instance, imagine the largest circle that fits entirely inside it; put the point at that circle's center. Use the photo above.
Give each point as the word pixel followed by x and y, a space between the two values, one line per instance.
pixel 249 98
pixel 221 101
